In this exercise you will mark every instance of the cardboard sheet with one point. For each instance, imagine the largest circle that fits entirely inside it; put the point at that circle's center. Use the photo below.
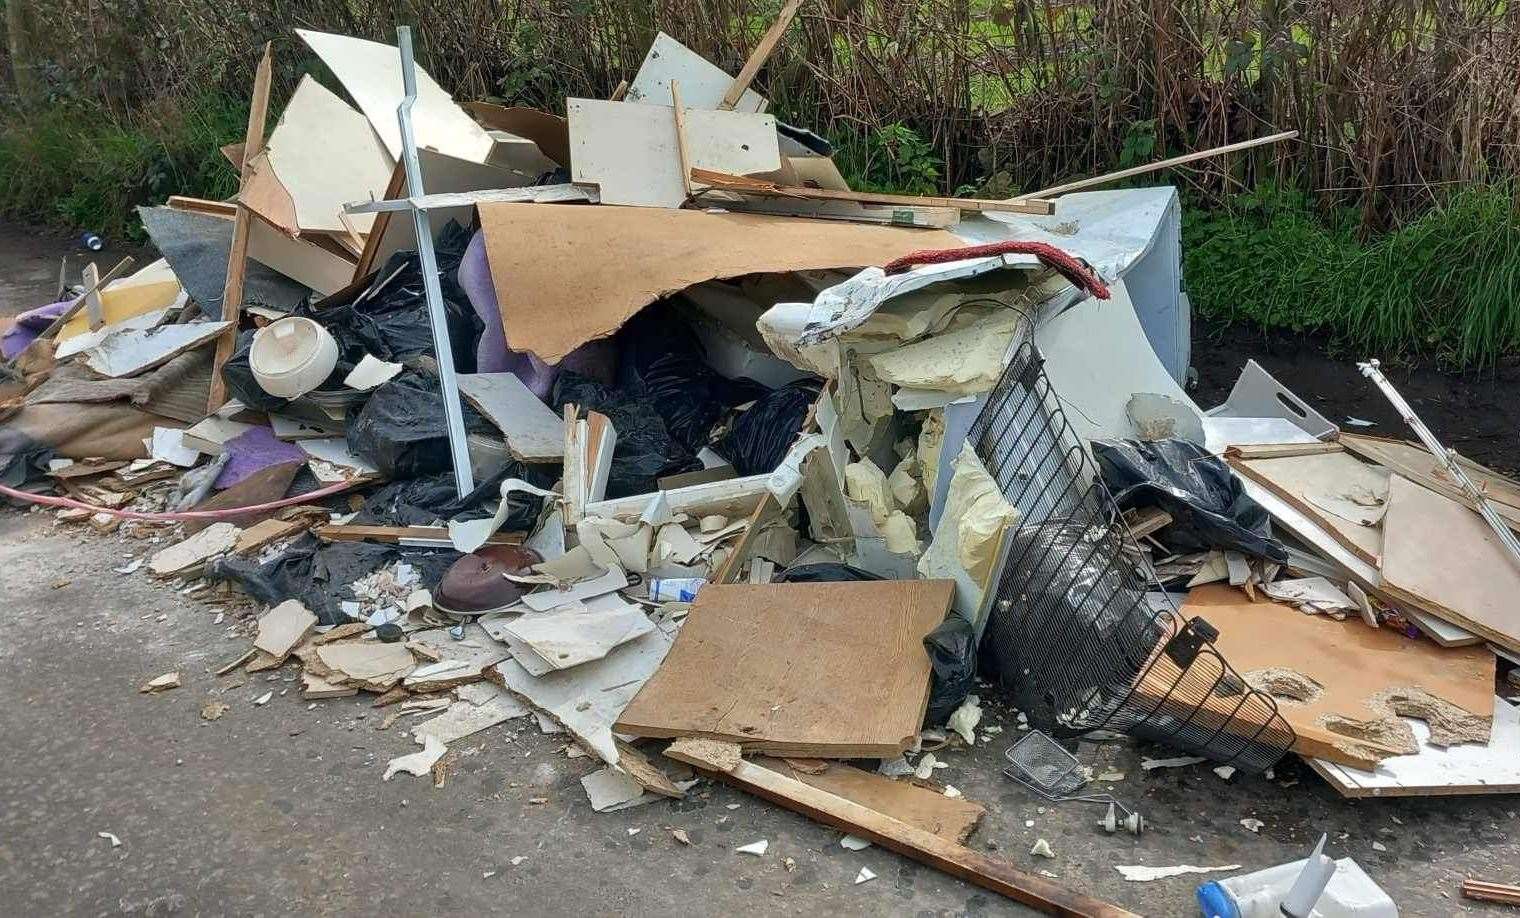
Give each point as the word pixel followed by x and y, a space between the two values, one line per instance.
pixel 371 72
pixel 1441 554
pixel 1363 681
pixel 591 268
pixel 833 670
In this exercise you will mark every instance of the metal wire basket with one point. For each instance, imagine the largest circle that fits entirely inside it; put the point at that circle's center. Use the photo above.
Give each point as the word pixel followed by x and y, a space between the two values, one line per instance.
pixel 1071 634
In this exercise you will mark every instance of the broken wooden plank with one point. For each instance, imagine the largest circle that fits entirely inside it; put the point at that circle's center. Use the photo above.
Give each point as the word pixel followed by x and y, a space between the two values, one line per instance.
pixel 79 301
pixel 1484 891
pixel 912 842
pixel 846 657
pixel 264 532
pixel 194 551
pixel 760 55
pixel 950 818
pixel 532 430
pixel 417 536
pixel 237 256
pixel 741 184
pixel 1110 177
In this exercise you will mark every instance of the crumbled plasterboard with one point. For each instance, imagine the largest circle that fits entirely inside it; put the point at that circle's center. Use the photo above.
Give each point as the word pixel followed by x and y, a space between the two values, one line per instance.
pixel 341 464
pixel 286 427
pixel 1442 632
pixel 587 700
pixel 577 635
pixel 370 664
pixel 370 372
pixel 702 83
pixel 1439 770
pixel 609 790
pixel 550 304
pixel 629 151
pixel 85 340
pixel 371 73
pixel 545 600
pixel 211 434
pixel 128 353
pixel 167 445
pixel 468 535
pixel 533 431
pixel 468 717
pixel 283 627
pixel 208 543
pixel 326 155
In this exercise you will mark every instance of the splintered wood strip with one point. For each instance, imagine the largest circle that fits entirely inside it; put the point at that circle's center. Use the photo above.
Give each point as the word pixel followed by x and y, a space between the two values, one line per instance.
pixel 910 841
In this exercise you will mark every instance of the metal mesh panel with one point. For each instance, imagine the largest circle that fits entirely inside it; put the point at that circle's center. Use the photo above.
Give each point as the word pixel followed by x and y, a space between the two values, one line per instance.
pixel 1072 634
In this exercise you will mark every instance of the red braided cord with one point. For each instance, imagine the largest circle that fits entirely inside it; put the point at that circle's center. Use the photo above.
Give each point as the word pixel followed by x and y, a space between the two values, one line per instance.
pixel 1065 264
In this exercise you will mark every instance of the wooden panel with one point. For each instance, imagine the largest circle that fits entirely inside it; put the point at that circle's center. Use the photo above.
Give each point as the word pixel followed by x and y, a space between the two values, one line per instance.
pixel 1418 465
pixel 1442 555
pixel 533 432
pixel 833 670
pixel 1367 678
pixel 910 841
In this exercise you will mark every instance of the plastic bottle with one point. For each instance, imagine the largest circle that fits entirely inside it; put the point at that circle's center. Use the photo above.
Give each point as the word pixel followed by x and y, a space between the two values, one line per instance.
pixel 1350 893
pixel 675 589
pixel 91 241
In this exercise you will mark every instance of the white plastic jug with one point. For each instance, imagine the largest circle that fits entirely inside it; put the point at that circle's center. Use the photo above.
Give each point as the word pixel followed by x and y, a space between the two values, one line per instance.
pixel 1350 894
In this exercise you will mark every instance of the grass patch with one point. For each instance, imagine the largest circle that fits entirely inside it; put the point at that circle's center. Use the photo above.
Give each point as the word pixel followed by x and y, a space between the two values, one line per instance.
pixel 1445 285
pixel 71 165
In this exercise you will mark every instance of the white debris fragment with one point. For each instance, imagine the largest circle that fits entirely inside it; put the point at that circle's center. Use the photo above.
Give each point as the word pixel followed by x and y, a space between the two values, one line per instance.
pixel 1178 762
pixel 1136 873
pixel 1029 823
pixel 518 860
pixel 965 719
pixel 952 791
pixel 418 763
pixel 1041 849
pixel 1252 825
pixel 854 843
pixel 487 874
pixel 129 568
pixel 730 806
pixel 1110 775
pixel 926 766
pixel 895 768
pixel 634 831
pixel 115 842
pixel 1379 846
pixel 755 848
pixel 263 699
pixel 865 876
pixel 1225 771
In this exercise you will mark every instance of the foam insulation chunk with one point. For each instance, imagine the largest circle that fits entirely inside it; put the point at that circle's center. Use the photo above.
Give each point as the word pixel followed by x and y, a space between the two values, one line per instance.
pixel 980 512
pixel 962 362
pixel 866 482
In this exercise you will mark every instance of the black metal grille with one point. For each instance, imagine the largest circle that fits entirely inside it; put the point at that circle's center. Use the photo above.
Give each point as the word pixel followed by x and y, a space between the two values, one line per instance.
pixel 1072 634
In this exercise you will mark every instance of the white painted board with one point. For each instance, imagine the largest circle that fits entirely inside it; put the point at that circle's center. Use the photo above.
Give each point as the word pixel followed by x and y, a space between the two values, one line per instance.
pixel 629 151
pixel 128 353
pixel 371 73
pixel 702 83
pixel 326 155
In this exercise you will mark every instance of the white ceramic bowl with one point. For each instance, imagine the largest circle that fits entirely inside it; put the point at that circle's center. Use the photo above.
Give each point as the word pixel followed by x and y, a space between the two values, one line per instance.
pixel 292 356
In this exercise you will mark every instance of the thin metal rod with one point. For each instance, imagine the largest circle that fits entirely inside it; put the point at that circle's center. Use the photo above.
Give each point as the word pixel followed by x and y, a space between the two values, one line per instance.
pixel 442 347
pixel 1104 179
pixel 1447 457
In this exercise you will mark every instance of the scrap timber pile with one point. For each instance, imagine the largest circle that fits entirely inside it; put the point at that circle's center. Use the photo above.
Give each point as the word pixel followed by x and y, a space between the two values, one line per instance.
pixel 663 436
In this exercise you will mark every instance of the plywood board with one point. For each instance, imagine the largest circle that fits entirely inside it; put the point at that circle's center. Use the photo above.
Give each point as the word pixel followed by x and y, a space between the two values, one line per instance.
pixel 1418 465
pixel 834 670
pixel 548 131
pixel 131 352
pixel 1363 680
pixel 702 82
pixel 1439 770
pixel 326 155
pixel 591 268
pixel 1444 556
pixel 1318 484
pixel 630 152
pixel 371 73
pixel 532 430
pixel 950 818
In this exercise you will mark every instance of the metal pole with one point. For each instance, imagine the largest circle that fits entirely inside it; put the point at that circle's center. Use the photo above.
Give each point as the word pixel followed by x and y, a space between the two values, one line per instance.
pixel 443 350
pixel 1447 458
